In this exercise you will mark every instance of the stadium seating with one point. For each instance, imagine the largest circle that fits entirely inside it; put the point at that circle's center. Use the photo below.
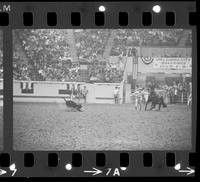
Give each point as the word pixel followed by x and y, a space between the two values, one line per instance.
pixel 129 38
pixel 90 43
pixel 44 54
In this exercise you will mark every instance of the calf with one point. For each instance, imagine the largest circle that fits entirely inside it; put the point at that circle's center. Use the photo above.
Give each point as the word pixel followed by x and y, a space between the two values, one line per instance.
pixel 73 105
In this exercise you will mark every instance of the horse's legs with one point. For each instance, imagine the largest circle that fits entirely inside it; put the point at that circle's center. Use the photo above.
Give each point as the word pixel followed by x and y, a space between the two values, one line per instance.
pixel 161 102
pixel 153 105
pixel 147 103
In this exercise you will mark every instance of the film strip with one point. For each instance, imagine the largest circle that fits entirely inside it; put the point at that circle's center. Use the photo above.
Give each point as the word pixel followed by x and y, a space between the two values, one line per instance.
pixel 76 83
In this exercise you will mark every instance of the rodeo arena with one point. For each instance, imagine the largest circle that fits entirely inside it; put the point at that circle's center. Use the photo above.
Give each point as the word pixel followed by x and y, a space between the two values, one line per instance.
pixel 102 89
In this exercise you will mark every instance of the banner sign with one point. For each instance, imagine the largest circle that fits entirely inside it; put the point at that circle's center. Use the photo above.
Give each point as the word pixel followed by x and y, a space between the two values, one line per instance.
pixel 147 60
pixel 173 63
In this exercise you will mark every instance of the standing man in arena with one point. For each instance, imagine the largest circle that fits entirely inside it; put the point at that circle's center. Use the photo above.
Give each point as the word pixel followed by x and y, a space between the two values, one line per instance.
pixel 84 93
pixel 116 94
pixel 73 92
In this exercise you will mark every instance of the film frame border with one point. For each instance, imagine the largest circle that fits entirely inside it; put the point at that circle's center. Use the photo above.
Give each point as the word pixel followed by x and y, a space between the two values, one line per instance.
pixel 134 10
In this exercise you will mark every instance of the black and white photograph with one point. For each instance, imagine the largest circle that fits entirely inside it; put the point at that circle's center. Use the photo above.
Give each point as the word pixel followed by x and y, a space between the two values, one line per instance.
pixel 101 89
pixel 1 90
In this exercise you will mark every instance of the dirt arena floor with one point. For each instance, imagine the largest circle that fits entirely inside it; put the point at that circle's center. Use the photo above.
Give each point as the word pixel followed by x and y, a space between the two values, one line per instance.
pixel 50 126
pixel 1 128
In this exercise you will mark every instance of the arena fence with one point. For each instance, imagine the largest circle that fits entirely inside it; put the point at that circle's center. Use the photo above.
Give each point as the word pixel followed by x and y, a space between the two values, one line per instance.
pixel 182 97
pixel 45 91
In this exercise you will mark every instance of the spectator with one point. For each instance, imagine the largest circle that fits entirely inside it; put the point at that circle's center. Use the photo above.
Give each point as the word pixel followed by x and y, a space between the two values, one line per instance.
pixel 172 90
pixel 78 92
pixel 180 92
pixel 175 93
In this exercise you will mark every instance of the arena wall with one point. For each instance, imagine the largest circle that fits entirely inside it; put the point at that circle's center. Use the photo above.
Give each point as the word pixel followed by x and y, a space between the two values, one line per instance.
pixel 43 91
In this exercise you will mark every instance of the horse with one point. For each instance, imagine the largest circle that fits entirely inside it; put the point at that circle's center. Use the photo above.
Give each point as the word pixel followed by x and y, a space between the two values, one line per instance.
pixel 155 99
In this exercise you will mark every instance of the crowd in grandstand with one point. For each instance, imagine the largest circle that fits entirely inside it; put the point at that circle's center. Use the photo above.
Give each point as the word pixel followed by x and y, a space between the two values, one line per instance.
pixel 105 72
pixel 90 43
pixel 129 38
pixel 47 52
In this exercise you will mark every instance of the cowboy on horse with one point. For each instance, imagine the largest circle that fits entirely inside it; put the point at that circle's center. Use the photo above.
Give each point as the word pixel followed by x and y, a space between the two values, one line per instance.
pixel 154 98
